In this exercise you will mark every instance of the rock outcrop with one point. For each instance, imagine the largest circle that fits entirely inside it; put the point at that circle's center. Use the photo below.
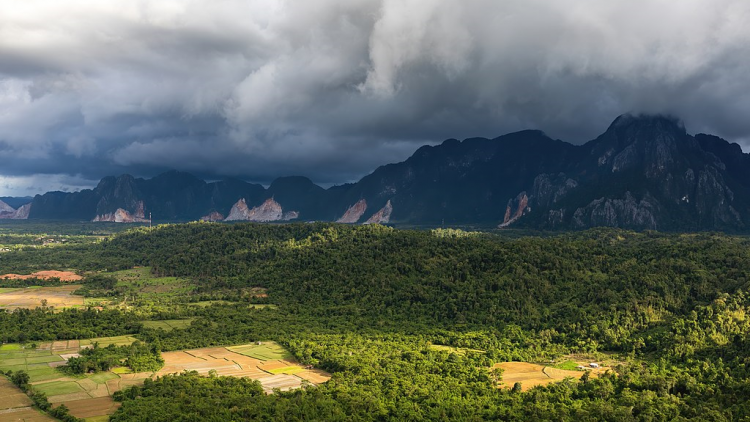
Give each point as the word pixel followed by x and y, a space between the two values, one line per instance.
pixel 6 209
pixel 354 213
pixel 213 216
pixel 9 213
pixel 268 211
pixel 383 216
pixel 22 213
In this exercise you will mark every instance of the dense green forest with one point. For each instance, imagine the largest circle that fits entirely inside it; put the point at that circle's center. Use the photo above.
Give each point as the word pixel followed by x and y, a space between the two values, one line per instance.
pixel 366 303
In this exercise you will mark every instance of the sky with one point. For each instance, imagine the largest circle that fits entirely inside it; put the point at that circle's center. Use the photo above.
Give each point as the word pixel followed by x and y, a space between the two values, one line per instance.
pixel 331 89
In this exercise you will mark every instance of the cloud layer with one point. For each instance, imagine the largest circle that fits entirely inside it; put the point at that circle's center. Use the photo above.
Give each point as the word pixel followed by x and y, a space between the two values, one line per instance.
pixel 333 88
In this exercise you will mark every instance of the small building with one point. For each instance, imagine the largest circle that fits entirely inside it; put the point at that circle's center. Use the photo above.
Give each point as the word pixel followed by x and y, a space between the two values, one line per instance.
pixel 594 365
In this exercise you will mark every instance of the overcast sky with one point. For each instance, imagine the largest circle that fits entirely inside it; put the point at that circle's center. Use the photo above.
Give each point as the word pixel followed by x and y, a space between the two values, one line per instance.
pixel 331 89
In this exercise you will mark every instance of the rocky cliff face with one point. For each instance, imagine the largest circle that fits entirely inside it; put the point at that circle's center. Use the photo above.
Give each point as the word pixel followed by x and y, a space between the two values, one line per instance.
pixel 354 213
pixel 383 216
pixel 268 211
pixel 120 216
pixel 515 209
pixel 6 209
pixel 626 213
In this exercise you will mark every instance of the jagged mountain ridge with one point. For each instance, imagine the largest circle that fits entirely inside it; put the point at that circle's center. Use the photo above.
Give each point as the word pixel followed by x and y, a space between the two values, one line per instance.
pixel 643 172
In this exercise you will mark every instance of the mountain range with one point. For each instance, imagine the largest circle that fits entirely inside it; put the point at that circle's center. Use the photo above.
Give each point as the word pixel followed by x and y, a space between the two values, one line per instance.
pixel 643 172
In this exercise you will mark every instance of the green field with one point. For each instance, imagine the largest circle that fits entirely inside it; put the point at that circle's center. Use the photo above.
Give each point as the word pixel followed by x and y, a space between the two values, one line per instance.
pixel 58 387
pixel 102 377
pixel 287 370
pixel 8 289
pixel 14 357
pixel 568 365
pixel 266 351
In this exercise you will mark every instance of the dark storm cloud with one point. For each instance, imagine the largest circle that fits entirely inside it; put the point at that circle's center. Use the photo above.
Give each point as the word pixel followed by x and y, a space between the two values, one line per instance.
pixel 333 88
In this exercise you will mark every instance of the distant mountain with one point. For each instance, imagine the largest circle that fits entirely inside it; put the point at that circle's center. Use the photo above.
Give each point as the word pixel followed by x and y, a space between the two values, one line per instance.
pixel 644 172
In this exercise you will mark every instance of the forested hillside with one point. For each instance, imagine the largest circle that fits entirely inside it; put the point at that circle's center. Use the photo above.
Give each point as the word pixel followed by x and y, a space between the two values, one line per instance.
pixel 367 303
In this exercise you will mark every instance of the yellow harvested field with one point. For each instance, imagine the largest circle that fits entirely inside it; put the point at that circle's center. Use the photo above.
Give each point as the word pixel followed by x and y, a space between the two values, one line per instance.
pixel 277 364
pixel 281 381
pixel 59 297
pixel 531 375
pixel 92 407
pixel 315 376
pixel 24 414
pixel 229 363
pixel 11 396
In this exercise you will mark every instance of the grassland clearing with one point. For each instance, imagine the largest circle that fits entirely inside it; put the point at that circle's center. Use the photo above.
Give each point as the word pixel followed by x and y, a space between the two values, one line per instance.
pixel 168 324
pixel 139 282
pixel 58 296
pixel 458 350
pixel 8 289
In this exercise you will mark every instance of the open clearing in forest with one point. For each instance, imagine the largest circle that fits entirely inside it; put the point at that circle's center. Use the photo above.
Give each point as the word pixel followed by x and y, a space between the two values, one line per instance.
pixel 140 282
pixel 89 396
pixel 59 297
pixel 531 375
pixel 62 275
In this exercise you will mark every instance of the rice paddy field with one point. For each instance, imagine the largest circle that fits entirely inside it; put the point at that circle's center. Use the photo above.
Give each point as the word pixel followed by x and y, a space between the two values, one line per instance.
pixel 16 406
pixel 89 396
pixel 531 375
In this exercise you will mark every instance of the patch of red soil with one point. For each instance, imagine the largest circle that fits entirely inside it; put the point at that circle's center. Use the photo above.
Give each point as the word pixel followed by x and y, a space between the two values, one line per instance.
pixel 62 275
